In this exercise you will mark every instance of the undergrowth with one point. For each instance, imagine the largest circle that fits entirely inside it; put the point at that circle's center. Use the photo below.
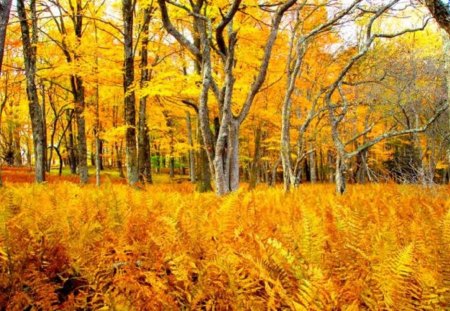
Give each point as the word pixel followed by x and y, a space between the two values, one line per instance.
pixel 379 247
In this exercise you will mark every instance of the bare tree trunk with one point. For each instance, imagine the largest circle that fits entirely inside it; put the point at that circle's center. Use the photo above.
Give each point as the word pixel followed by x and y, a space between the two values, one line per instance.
pixel 79 98
pixel 340 178
pixel 361 167
pixel 446 38
pixel 191 153
pixel 129 95
pixel 294 63
pixel 144 155
pixel 5 8
pixel 81 129
pixel 98 142
pixel 70 143
pixel 203 172
pixel 36 116
pixel 52 136
pixel 44 119
pixel 233 145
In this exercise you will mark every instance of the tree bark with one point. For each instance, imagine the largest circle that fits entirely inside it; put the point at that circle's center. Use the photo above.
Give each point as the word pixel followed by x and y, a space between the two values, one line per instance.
pixel 340 179
pixel 362 170
pixel 203 172
pixel 29 42
pixel 5 8
pixel 70 143
pixel 144 154
pixel 292 71
pixel 446 38
pixel 191 153
pixel 129 94
pixel 44 120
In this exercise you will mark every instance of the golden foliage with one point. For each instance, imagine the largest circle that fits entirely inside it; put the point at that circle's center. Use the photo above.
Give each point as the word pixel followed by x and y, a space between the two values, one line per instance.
pixel 380 247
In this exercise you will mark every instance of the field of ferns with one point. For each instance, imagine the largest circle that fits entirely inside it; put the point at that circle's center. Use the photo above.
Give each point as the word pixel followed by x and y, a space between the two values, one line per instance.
pixel 165 247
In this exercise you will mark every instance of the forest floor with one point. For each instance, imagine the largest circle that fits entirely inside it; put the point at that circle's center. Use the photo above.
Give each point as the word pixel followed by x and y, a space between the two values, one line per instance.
pixel 165 247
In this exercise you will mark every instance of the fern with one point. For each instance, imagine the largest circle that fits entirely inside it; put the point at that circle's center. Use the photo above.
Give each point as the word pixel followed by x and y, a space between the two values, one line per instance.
pixel 116 248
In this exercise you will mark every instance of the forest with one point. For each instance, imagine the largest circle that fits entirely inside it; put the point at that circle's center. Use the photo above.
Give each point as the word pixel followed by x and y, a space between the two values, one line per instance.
pixel 224 155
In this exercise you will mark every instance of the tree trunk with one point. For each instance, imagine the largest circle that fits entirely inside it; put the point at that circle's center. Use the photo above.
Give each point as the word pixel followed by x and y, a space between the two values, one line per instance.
pixel 233 145
pixel 98 141
pixel 35 110
pixel 226 159
pixel 171 167
pixel 288 172
pixel 5 8
pixel 341 169
pixel 203 172
pixel 361 167
pixel 78 93
pixel 70 143
pixel 446 39
pixel 191 153
pixel 129 95
pixel 144 155
pixel 44 120
pixel 77 85
pixel 52 136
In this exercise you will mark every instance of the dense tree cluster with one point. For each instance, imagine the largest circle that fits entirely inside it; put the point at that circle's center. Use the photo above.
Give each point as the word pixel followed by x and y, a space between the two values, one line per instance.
pixel 225 91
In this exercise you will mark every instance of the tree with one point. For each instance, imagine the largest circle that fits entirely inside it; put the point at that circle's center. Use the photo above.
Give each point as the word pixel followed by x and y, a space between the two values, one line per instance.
pixel 223 147
pixel 5 8
pixel 29 41
pixel 144 155
pixel 337 113
pixel 72 55
pixel 128 10
pixel 440 10
pixel 297 49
